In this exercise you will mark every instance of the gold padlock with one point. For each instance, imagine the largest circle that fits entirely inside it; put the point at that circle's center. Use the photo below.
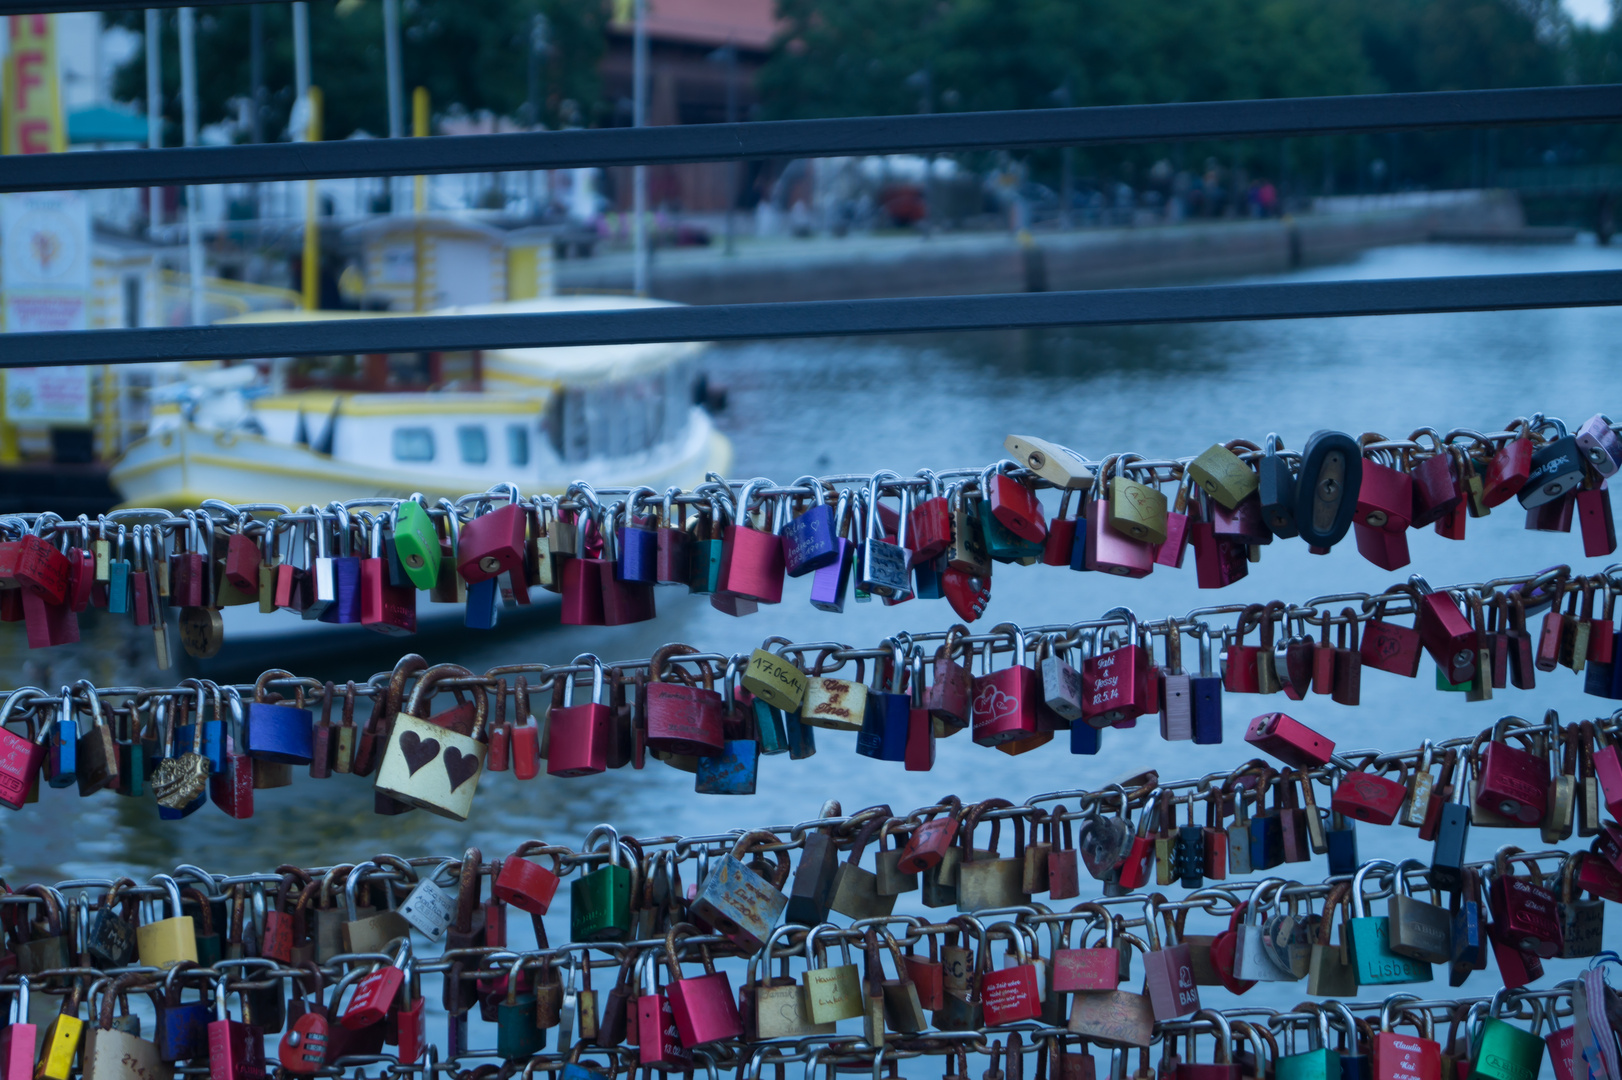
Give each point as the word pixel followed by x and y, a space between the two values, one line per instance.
pixel 1059 465
pixel 831 993
pixel 774 678
pixel 1135 509
pixel 164 943
pixel 1223 476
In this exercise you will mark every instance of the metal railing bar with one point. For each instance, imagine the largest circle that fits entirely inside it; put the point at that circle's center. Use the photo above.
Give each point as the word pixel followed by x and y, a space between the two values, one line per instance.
pixel 823 318
pixel 1276 118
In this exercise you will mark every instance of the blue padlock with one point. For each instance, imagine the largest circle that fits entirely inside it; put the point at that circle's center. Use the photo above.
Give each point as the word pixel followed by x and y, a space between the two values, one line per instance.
pixel 1205 695
pixel 886 721
pixel 279 732
pixel 1084 739
pixel 802 738
pixel 810 540
pixel 482 598
pixel 211 724
pixel 345 607
pixel 731 772
pixel 1342 839
pixel 63 763
pixel 638 554
pixel 926 578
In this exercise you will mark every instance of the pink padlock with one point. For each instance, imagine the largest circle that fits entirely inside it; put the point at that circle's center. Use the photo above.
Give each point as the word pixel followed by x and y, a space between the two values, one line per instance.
pixel 752 566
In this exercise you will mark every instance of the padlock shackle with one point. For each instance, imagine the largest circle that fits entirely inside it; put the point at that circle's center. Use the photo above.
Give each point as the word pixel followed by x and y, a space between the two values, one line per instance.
pixel 352 882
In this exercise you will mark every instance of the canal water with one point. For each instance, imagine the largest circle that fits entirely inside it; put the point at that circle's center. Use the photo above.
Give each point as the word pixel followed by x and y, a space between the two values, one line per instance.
pixel 830 406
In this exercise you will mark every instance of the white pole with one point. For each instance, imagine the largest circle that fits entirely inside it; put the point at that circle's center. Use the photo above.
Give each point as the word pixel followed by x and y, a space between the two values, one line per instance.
pixel 154 111
pixel 301 54
pixel 396 85
pixel 639 177
pixel 188 106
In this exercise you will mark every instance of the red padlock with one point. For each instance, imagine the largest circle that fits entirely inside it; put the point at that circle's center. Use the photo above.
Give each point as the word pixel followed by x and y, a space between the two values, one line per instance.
pixel 1445 633
pixel 1218 563
pixel 1437 487
pixel 1087 968
pixel 1005 701
pixel 41 568
pixel 1369 797
pixel 1289 740
pixel 929 526
pixel 1224 953
pixel 1598 526
pixel 1385 500
pixel 1241 663
pixel 1175 547
pixel 579 733
pixel 375 992
pixel 1015 505
pixel 1115 684
pixel 1608 770
pixel 680 716
pixel 657 1040
pixel 932 839
pixel 1387 645
pixel 1387 550
pixel 1509 470
pixel 1525 914
pixel 1406 1057
pixel 1512 781
pixel 1010 994
pixel 1061 539
pixel 493 543
pixel 242 562
pixel 528 886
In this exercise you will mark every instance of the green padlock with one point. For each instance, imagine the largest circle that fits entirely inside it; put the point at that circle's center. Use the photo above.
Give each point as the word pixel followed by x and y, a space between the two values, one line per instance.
pixel 704 551
pixel 1371 940
pixel 416 541
pixel 600 901
pixel 1321 1062
pixel 1001 541
pixel 518 1038
pixel 1504 1051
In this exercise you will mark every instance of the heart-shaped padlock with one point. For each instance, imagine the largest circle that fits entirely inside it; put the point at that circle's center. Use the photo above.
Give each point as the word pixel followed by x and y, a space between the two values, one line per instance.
pixel 304 1047
pixel 967 593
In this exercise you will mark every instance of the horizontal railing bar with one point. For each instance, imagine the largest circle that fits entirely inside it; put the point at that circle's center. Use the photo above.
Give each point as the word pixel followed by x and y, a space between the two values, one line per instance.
pixel 813 138
pixel 823 318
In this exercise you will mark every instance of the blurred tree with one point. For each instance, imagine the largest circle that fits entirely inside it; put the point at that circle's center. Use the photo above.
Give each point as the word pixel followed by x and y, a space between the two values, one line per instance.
pixel 471 54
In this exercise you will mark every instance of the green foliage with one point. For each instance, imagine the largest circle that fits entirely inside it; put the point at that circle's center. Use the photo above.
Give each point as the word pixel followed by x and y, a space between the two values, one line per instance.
pixel 470 54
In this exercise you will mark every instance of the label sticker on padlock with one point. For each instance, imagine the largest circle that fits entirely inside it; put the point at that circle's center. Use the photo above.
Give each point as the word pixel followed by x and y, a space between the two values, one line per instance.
pixel 429 909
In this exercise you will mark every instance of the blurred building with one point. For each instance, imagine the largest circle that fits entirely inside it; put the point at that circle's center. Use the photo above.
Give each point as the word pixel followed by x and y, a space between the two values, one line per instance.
pixel 687 84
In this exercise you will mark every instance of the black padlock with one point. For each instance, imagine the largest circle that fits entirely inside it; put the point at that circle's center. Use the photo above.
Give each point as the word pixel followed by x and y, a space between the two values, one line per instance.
pixel 1452 837
pixel 1557 469
pixel 1275 486
pixel 1326 488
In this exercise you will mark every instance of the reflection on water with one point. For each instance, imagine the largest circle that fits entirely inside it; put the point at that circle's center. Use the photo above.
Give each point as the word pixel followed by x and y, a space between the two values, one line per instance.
pixel 940 401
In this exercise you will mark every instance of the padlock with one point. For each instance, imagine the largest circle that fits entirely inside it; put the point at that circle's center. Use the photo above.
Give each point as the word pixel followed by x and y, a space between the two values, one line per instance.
pixel 578 735
pixel 1369 796
pixel 279 732
pixel 493 542
pixel 1012 993
pixel 882 566
pixel 1330 970
pixel 832 993
pixel 1423 931
pixel 1115 683
pixel 375 992
pixel 776 1006
pixel 1557 468
pixel 1406 1057
pixel 703 1008
pixel 236 1050
pixel 366 929
pixel 741 904
pixel 1525 914
pixel 1444 632
pixel 526 884
pixel 625 599
pixel 1004 707
pixel 385 607
pixel 1168 967
pixel 681 717
pixel 1502 1050
pixel 1452 831
pixel 1223 475
pixel 1108 549
pixel 986 880
pixel 811 887
pixel 1289 740
pixel 163 943
pixel 1594 515
pixel 886 723
pixel 1600 445
pixel 416 541
pixel 1582 922
pixel 600 899
pixel 1511 781
pixel 432 767
pixel 1252 960
pixel 1088 968
pixel 1376 963
pixel 1319 1061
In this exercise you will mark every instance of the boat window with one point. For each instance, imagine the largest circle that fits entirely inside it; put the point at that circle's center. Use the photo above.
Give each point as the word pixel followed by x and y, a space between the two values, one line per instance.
pixel 475 448
pixel 517 444
pixel 413 444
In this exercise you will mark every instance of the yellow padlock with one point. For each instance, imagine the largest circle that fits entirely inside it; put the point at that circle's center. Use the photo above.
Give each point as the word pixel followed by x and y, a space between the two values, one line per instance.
pixel 1136 510
pixel 1223 475
pixel 61 1041
pixel 164 943
pixel 775 677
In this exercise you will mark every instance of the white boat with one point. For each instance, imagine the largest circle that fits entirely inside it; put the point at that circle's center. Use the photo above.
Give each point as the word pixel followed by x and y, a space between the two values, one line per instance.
pixel 310 430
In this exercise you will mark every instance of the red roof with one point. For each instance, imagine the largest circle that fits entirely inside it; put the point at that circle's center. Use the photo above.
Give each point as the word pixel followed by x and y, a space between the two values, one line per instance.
pixel 748 24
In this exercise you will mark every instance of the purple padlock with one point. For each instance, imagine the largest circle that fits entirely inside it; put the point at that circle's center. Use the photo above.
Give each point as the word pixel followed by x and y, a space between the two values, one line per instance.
pixel 1600 446
pixel 830 583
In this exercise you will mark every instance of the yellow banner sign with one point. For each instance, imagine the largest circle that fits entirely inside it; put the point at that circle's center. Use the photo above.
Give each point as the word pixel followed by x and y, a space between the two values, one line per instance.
pixel 31 99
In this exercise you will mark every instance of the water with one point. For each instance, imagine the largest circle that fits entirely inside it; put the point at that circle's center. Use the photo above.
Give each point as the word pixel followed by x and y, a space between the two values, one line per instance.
pixel 939 401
